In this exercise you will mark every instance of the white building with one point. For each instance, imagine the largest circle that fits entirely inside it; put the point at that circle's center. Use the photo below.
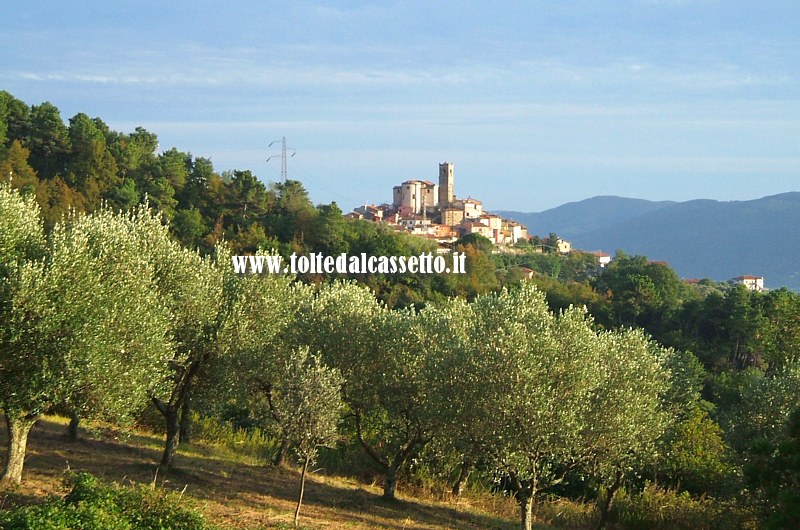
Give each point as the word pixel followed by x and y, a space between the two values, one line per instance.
pixel 754 283
pixel 603 259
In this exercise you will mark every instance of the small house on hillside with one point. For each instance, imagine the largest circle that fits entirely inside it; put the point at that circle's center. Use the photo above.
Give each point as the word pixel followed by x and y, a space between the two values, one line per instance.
pixel 754 283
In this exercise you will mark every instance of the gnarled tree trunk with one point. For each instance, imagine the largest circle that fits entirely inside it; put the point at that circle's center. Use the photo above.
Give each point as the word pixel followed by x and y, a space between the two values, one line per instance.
pixel 72 428
pixel 525 492
pixel 390 484
pixel 604 504
pixel 18 428
pixel 463 475
pixel 185 416
pixel 526 510
pixel 392 464
pixel 280 456
pixel 171 409
pixel 172 420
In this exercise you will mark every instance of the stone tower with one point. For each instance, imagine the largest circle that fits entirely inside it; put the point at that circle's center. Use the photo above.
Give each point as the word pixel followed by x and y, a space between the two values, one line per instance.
pixel 446 189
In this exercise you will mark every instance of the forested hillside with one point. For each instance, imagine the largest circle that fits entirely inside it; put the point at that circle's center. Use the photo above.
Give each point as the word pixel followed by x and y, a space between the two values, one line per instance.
pixel 699 238
pixel 536 375
pixel 576 218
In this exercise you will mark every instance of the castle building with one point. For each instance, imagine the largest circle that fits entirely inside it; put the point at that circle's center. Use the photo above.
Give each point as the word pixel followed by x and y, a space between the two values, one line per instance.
pixel 415 196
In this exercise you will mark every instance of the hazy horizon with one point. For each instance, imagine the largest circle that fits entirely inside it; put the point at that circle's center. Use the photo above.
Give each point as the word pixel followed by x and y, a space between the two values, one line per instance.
pixel 537 104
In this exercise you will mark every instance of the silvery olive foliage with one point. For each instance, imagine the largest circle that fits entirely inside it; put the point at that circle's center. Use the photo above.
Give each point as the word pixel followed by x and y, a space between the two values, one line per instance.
pixel 307 402
pixel 196 292
pixel 82 324
pixel 21 233
pixel 532 395
pixel 257 333
pixel 628 411
pixel 256 338
pixel 109 320
pixel 383 359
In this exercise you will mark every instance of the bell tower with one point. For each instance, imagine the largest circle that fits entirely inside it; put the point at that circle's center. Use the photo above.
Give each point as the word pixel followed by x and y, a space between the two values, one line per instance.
pixel 446 185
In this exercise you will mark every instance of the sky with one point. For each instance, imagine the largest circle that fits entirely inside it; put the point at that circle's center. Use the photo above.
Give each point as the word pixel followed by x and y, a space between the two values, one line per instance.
pixel 537 103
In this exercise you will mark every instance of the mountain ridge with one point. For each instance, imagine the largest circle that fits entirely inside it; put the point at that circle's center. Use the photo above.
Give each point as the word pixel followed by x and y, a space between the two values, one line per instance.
pixel 699 238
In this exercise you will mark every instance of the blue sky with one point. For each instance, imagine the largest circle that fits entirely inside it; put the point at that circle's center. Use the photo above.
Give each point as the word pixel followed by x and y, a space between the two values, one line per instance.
pixel 536 103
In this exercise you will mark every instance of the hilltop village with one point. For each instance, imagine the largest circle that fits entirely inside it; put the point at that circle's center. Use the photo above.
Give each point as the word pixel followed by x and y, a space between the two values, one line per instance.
pixel 431 210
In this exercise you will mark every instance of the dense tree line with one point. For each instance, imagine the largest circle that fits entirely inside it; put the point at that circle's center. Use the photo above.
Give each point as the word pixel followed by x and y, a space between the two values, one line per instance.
pixel 83 164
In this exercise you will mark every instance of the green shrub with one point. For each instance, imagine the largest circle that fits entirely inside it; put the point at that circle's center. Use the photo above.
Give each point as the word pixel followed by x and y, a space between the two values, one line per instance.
pixel 92 505
pixel 252 443
pixel 656 508
pixel 565 513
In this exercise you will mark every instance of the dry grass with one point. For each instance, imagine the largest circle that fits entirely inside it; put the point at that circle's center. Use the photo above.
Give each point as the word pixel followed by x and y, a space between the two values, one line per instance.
pixel 236 494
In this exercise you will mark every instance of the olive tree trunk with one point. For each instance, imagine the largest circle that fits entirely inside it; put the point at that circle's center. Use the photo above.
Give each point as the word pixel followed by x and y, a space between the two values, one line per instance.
pixel 302 490
pixel 390 484
pixel 607 499
pixel 72 428
pixel 280 456
pixel 172 419
pixel 18 429
pixel 463 475
pixel 391 464
pixel 185 421
pixel 526 511
pixel 525 491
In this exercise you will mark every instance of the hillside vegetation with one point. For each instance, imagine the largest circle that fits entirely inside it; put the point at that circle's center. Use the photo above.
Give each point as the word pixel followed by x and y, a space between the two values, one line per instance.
pixel 700 238
pixel 580 395
pixel 233 490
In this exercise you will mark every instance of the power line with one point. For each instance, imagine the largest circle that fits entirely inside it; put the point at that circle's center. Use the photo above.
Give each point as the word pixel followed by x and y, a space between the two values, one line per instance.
pixel 282 156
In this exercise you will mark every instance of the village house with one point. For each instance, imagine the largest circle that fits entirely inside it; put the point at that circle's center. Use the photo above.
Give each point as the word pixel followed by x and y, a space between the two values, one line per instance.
pixel 476 227
pixel 603 259
pixel 526 272
pixel 513 232
pixel 754 283
pixel 370 212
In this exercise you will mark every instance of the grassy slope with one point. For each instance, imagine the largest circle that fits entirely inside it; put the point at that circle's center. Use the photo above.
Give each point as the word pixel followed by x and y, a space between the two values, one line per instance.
pixel 235 494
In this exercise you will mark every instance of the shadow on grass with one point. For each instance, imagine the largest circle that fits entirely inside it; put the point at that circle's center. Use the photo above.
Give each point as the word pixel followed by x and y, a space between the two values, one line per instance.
pixel 233 494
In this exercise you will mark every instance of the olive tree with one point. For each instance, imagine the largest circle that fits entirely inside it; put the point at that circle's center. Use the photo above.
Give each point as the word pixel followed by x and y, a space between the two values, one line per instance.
pixel 449 328
pixel 540 380
pixel 306 402
pixel 513 392
pixel 535 395
pixel 381 356
pixel 196 292
pixel 82 322
pixel 627 412
pixel 256 340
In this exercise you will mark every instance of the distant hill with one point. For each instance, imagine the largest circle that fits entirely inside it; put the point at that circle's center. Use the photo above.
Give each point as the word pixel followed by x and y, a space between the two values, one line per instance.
pixel 699 239
pixel 575 218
